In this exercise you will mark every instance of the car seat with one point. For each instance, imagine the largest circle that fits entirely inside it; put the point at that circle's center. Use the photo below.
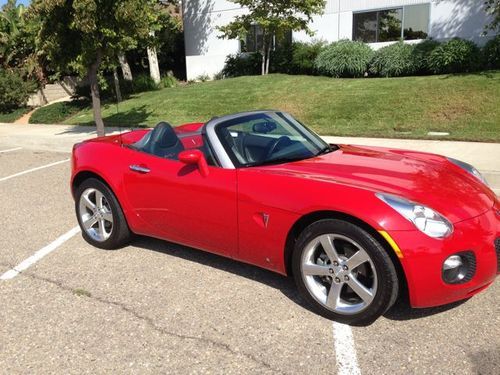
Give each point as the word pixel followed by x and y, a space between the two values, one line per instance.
pixel 162 141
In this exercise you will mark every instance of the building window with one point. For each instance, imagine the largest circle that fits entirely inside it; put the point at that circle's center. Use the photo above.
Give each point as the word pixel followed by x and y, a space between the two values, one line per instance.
pixel 409 22
pixel 255 39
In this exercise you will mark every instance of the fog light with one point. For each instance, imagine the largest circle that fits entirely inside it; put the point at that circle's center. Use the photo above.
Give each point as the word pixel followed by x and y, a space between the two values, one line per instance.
pixel 459 268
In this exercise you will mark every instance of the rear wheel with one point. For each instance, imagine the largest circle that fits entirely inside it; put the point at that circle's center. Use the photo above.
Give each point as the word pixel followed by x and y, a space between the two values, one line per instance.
pixel 344 272
pixel 100 216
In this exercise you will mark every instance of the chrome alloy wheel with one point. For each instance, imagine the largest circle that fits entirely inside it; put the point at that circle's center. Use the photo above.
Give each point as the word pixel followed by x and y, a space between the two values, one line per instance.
pixel 339 274
pixel 96 215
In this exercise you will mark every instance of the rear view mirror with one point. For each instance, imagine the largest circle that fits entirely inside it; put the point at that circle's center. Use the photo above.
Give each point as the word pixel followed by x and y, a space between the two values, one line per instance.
pixel 195 157
pixel 264 127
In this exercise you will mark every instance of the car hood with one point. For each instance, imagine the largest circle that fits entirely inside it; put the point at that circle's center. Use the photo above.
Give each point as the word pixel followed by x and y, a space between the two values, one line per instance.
pixel 420 177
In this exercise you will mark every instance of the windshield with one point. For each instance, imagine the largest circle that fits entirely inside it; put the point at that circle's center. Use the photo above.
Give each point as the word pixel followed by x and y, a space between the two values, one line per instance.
pixel 268 138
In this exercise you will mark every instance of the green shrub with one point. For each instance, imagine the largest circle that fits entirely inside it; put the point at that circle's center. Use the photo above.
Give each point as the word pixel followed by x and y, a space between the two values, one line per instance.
pixel 219 76
pixel 243 64
pixel 297 58
pixel 455 56
pixel 344 58
pixel 421 55
pixel 281 59
pixel 168 81
pixel 394 60
pixel 143 83
pixel 491 53
pixel 202 78
pixel 14 91
pixel 304 55
pixel 58 112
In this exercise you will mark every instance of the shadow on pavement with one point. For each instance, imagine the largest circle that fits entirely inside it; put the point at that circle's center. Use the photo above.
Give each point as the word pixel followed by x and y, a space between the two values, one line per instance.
pixel 401 311
pixel 282 283
pixel 486 361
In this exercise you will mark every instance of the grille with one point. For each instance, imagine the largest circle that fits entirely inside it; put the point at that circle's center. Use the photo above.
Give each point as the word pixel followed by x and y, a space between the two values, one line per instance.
pixel 471 260
pixel 497 249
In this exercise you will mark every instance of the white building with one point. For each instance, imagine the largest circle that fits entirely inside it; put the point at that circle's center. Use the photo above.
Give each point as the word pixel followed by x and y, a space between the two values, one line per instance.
pixel 365 20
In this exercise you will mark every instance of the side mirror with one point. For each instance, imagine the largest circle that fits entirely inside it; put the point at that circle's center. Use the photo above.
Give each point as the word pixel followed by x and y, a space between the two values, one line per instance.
pixel 195 157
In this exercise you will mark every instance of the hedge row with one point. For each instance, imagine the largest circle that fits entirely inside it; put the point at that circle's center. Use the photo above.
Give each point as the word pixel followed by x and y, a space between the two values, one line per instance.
pixel 347 58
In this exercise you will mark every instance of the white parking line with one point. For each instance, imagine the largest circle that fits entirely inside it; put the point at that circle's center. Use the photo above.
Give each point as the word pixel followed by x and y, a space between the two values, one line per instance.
pixel 347 362
pixel 28 262
pixel 33 170
pixel 11 149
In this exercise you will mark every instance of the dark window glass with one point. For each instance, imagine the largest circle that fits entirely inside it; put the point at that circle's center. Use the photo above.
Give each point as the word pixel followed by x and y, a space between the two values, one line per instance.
pixel 365 27
pixel 255 38
pixel 410 22
pixel 416 22
pixel 389 25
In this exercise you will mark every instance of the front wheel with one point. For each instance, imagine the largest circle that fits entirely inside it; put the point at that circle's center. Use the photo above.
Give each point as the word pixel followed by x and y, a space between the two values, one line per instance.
pixel 344 272
pixel 100 216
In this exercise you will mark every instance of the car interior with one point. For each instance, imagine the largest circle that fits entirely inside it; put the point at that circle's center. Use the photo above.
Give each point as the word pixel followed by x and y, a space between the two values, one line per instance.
pixel 247 143
pixel 255 143
pixel 164 142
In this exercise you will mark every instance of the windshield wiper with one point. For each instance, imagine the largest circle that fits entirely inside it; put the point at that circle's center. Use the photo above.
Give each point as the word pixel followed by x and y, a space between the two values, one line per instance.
pixel 275 161
pixel 326 150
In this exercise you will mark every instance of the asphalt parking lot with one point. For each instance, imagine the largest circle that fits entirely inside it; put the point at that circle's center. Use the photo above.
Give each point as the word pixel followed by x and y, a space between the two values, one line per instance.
pixel 156 307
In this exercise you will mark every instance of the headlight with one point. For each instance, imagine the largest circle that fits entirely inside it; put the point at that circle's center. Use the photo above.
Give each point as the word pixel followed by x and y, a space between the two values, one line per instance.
pixel 469 168
pixel 425 219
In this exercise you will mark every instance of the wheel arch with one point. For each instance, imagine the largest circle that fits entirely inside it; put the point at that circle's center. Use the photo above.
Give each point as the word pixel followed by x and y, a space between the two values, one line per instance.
pixel 83 175
pixel 307 219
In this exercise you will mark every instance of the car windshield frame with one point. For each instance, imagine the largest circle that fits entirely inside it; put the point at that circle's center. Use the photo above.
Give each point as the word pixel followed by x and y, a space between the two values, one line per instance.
pixel 319 145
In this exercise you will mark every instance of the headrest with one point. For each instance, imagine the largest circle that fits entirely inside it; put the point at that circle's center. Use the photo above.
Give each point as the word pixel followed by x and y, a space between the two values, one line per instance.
pixel 164 135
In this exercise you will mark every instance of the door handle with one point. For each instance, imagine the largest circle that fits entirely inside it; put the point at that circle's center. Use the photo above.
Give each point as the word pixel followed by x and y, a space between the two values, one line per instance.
pixel 139 168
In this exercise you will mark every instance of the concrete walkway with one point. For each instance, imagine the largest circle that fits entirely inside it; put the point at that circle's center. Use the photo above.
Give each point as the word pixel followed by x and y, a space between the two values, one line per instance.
pixel 484 156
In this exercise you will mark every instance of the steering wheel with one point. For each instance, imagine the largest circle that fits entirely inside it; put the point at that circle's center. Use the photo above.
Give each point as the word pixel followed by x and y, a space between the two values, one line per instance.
pixel 279 143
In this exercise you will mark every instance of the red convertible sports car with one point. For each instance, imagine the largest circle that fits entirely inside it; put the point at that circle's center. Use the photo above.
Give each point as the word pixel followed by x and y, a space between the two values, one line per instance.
pixel 355 226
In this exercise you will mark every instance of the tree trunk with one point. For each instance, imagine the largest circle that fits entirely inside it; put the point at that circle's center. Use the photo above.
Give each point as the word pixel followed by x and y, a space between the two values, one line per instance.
pixel 117 86
pixel 263 68
pixel 268 57
pixel 96 96
pixel 263 53
pixel 154 68
pixel 126 71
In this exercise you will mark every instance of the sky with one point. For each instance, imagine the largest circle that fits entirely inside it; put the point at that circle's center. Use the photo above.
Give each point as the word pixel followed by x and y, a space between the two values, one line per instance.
pixel 25 2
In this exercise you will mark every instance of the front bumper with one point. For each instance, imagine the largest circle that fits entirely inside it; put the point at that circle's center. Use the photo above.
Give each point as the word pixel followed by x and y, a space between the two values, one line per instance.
pixel 423 258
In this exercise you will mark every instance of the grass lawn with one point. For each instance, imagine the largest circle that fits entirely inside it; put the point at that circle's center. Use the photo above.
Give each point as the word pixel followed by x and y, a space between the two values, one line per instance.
pixel 466 106
pixel 13 116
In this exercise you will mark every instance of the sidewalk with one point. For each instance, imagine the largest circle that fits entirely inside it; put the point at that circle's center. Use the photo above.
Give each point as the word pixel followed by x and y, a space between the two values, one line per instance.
pixel 484 156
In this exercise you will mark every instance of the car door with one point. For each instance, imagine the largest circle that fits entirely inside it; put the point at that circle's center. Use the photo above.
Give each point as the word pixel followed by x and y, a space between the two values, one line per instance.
pixel 177 203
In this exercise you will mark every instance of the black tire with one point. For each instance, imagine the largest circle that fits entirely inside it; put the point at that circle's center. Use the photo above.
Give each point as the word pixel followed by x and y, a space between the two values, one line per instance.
pixel 120 233
pixel 387 285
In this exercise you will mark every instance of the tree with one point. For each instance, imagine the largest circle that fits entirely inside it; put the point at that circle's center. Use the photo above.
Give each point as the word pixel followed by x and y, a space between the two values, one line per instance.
pixel 275 18
pixel 84 36
pixel 492 7
pixel 162 10
pixel 154 67
pixel 18 31
pixel 126 71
